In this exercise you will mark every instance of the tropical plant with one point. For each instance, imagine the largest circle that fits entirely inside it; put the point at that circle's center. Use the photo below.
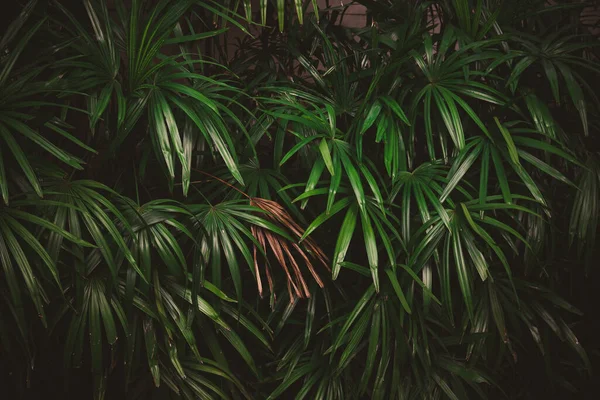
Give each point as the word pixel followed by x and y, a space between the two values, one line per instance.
pixel 405 210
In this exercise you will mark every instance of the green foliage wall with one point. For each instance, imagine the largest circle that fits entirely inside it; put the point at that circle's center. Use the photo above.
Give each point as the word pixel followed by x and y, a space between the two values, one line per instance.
pixel 402 211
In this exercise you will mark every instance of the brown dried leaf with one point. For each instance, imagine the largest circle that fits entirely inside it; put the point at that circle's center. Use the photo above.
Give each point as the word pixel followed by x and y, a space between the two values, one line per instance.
pixel 281 247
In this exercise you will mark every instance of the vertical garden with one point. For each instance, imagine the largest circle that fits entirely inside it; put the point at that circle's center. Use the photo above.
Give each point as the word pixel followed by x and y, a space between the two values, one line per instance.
pixel 252 200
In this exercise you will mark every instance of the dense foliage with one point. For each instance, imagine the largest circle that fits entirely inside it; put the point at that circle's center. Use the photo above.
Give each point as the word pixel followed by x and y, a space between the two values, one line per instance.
pixel 220 199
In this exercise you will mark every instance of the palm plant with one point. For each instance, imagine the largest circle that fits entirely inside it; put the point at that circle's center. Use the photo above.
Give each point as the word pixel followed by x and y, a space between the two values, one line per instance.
pixel 415 198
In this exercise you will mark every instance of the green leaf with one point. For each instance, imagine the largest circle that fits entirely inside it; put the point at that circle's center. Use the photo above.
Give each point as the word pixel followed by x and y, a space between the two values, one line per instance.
pixel 501 175
pixel 18 154
pixel 462 164
pixel 297 147
pixel 393 105
pixel 152 350
pixel 195 36
pixel 354 178
pixel 510 144
pixel 371 247
pixel 358 309
pixel 398 290
pixel 324 149
pixel 576 95
pixel 371 116
pixel 464 279
pixel 212 134
pixel 343 241
pixel 337 207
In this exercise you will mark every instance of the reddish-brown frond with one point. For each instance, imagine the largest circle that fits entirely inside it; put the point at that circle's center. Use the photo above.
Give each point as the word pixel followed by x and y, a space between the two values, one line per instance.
pixel 289 255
